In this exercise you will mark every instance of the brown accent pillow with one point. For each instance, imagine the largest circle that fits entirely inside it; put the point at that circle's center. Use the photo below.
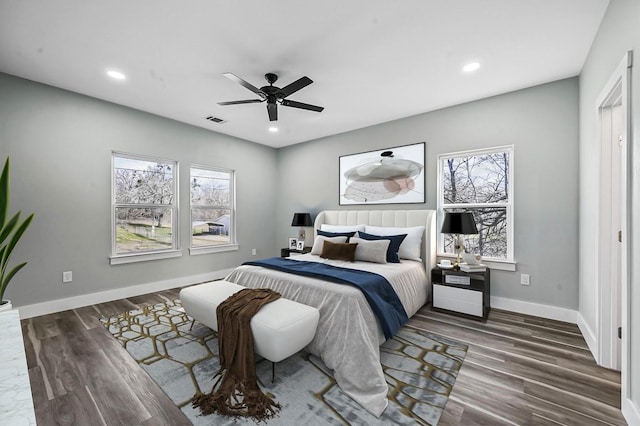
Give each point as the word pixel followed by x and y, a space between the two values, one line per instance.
pixel 339 251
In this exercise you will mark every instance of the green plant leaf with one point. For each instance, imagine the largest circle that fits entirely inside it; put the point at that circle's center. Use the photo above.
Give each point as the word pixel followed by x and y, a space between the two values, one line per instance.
pixel 9 227
pixel 11 231
pixel 14 240
pixel 4 192
pixel 8 277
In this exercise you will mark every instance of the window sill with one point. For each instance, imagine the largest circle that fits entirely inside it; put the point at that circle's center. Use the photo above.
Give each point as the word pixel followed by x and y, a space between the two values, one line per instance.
pixel 500 265
pixel 194 251
pixel 143 257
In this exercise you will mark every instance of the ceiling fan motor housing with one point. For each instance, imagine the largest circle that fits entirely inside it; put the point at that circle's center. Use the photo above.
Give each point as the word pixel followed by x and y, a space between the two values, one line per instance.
pixel 273 92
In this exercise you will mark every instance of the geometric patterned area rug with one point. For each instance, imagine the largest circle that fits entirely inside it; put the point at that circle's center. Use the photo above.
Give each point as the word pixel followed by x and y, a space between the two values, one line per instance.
pixel 420 369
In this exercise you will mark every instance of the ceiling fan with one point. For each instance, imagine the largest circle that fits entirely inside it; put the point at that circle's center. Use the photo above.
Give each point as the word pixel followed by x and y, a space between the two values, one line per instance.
pixel 273 95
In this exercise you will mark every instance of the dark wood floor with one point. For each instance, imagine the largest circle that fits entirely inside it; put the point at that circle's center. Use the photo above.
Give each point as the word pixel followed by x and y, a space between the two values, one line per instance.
pixel 519 370
pixel 525 370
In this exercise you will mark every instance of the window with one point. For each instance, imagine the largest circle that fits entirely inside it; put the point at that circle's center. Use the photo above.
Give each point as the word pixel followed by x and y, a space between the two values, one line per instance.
pixel 480 182
pixel 145 207
pixel 212 209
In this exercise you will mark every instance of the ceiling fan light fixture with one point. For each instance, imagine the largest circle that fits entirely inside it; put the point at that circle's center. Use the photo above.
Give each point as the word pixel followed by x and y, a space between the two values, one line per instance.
pixel 116 75
pixel 273 95
pixel 273 129
pixel 471 67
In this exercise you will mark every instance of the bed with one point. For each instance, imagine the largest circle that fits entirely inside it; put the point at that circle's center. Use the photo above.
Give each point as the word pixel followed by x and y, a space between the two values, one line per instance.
pixel 349 334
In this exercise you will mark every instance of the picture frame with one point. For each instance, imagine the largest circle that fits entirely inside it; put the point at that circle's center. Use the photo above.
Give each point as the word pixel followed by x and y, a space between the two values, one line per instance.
pixel 300 245
pixel 386 176
pixel 293 244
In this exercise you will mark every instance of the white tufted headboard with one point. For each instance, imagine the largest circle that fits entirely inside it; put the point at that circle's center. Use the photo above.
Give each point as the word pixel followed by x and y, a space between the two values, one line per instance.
pixel 402 218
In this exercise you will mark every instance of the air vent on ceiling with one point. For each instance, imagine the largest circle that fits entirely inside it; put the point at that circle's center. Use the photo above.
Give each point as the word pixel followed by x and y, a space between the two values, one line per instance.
pixel 215 119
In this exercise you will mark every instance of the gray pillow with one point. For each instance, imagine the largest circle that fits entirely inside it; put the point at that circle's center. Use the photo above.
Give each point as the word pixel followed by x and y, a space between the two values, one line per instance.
pixel 319 243
pixel 371 250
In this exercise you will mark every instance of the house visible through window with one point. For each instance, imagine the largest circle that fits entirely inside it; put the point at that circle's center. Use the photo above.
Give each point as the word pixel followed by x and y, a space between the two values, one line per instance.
pixel 212 219
pixel 480 182
pixel 145 209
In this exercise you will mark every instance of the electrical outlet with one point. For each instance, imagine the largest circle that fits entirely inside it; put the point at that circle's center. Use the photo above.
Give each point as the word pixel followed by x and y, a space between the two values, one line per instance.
pixel 524 279
pixel 67 277
pixel 253 252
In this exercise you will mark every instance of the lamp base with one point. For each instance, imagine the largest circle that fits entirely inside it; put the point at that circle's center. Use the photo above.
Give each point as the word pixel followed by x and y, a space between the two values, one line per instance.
pixel 456 264
pixel 302 235
pixel 458 248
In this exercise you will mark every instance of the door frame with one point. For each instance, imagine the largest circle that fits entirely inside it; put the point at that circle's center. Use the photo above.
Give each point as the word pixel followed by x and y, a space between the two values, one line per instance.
pixel 605 314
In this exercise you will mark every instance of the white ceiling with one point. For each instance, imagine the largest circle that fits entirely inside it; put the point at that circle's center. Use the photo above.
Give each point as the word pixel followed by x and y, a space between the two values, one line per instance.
pixel 371 61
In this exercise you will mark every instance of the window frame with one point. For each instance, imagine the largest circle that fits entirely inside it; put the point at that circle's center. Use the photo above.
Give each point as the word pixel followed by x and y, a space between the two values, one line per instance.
pixel 233 244
pixel 509 262
pixel 174 251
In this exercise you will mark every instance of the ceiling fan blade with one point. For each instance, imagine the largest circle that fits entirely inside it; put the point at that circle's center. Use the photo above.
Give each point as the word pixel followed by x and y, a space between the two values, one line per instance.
pixel 246 84
pixel 295 86
pixel 248 101
pixel 272 109
pixel 294 104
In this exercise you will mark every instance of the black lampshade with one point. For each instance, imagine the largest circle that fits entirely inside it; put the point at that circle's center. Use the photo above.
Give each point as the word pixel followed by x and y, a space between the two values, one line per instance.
pixel 301 219
pixel 459 223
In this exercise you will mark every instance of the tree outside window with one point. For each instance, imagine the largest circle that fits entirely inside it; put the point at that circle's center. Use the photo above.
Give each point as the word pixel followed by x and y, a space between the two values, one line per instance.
pixel 480 182
pixel 145 204
pixel 211 207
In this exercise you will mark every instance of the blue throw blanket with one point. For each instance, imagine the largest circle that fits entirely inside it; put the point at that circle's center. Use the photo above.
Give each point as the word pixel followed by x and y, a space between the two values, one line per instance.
pixel 383 300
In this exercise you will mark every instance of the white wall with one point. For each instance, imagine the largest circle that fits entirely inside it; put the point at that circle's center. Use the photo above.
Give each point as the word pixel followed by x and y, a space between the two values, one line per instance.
pixel 618 33
pixel 542 123
pixel 60 146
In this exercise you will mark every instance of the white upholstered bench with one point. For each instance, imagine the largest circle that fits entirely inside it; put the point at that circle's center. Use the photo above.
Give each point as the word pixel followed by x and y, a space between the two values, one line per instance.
pixel 280 328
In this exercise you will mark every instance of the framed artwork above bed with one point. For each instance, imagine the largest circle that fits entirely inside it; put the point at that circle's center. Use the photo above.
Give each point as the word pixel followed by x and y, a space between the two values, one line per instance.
pixel 386 176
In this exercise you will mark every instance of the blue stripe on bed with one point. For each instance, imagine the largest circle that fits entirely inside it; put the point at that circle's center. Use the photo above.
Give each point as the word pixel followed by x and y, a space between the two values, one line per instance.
pixel 382 298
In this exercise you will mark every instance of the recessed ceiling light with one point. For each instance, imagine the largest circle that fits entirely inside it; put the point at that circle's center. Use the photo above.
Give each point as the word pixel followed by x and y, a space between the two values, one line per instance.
pixel 273 129
pixel 116 75
pixel 471 67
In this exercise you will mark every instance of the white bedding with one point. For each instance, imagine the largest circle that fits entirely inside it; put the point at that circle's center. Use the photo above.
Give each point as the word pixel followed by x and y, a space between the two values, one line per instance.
pixel 349 334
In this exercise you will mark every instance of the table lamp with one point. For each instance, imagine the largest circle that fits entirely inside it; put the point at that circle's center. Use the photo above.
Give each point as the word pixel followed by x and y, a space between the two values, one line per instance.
pixel 459 223
pixel 301 220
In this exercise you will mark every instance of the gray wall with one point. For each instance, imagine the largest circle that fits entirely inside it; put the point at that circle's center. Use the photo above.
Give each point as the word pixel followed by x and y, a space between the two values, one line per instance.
pixel 619 32
pixel 60 146
pixel 542 123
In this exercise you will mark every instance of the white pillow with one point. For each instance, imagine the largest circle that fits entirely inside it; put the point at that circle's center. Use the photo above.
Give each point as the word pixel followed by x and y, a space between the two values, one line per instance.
pixel 371 251
pixel 342 228
pixel 410 247
pixel 319 243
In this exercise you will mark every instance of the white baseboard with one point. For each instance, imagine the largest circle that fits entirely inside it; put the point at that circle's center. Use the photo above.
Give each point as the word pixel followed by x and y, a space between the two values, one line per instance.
pixel 630 411
pixel 535 309
pixel 58 305
pixel 589 336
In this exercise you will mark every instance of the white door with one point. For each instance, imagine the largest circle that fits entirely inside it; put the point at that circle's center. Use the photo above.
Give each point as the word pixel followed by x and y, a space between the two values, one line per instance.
pixel 616 141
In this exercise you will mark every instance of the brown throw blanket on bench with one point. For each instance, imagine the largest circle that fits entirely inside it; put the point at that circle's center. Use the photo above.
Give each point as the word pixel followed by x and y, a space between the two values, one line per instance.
pixel 238 394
